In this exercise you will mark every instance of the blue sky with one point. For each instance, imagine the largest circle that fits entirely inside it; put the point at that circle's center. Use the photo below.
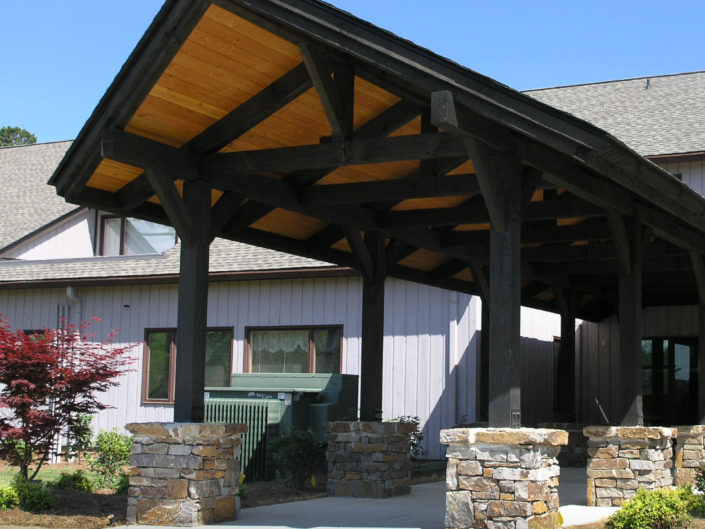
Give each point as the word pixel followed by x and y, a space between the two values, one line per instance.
pixel 59 57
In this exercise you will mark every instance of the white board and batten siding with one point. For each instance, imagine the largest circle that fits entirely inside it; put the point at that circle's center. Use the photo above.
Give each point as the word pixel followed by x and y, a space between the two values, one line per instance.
pixel 429 346
pixel 68 239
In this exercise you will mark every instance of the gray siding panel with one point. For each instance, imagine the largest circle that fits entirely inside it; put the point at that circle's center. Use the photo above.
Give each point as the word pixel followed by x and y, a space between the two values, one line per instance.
pixel 430 337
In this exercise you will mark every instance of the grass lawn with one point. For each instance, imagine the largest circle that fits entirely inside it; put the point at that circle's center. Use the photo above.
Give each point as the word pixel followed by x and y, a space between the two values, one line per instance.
pixel 47 473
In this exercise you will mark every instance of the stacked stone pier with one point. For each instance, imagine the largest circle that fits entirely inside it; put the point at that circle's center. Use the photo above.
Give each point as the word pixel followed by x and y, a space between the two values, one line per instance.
pixel 369 459
pixel 624 459
pixel 502 478
pixel 184 474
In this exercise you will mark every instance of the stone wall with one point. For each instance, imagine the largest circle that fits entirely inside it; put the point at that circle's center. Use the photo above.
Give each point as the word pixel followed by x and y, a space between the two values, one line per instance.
pixel 574 454
pixel 184 474
pixel 502 478
pixel 368 459
pixel 623 459
pixel 690 454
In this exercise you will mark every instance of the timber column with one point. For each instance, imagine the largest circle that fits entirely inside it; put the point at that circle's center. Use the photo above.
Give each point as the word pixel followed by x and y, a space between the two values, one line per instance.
pixel 627 233
pixel 370 254
pixel 499 176
pixel 193 306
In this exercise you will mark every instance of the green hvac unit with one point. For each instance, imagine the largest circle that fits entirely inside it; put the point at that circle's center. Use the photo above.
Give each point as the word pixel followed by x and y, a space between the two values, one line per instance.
pixel 270 403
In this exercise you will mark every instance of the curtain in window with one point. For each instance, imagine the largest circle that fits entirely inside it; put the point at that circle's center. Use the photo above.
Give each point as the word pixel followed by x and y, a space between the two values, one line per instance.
pixel 327 343
pixel 279 351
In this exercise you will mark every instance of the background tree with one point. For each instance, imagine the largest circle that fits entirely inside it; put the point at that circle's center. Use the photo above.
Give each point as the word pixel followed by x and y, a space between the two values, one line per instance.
pixel 49 380
pixel 16 136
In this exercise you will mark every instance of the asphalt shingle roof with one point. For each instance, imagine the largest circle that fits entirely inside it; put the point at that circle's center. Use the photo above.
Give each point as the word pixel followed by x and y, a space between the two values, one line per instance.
pixel 652 115
pixel 225 256
pixel 28 203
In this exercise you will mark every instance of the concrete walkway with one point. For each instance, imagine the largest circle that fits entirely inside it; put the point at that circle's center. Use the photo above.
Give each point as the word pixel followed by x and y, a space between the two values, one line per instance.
pixel 424 508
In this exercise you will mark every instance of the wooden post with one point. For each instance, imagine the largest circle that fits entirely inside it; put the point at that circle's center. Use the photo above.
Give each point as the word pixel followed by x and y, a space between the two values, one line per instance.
pixel 699 271
pixel 701 363
pixel 192 306
pixel 371 369
pixel 628 380
pixel 566 358
pixel 484 364
pixel 499 176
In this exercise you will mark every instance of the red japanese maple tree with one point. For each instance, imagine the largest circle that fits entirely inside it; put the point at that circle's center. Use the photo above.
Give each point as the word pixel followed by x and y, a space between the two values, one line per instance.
pixel 48 380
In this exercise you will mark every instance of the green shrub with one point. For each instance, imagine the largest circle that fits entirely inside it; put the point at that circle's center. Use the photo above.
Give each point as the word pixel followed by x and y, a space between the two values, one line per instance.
pixel 416 437
pixel 80 436
pixel 32 497
pixel 298 456
pixel 112 452
pixel 77 480
pixel 654 509
pixel 123 483
pixel 8 498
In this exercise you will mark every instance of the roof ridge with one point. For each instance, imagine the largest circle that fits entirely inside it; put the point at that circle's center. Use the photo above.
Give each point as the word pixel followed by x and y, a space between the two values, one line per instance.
pixel 610 81
pixel 34 144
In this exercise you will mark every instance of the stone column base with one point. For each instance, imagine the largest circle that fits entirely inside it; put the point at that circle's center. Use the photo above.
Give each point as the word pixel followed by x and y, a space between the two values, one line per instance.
pixel 502 478
pixel 368 459
pixel 184 474
pixel 690 454
pixel 624 459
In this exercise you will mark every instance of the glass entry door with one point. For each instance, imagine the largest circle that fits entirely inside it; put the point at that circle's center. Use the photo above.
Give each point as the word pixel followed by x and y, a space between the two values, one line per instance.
pixel 670 370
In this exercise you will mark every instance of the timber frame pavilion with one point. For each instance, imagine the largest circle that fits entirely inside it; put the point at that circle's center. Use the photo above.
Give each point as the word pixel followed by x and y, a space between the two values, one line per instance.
pixel 293 125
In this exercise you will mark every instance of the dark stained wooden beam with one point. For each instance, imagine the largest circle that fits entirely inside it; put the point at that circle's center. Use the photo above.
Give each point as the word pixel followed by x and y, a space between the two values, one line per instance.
pixel 372 336
pixel 388 120
pixel 621 241
pixel 505 291
pixel 142 152
pixel 344 79
pixel 361 252
pixel 319 70
pixel 134 193
pixel 253 111
pixel 397 251
pixel 479 275
pixel 666 227
pixel 173 204
pixel 223 210
pixel 332 154
pixel 449 269
pixel 379 126
pixel 397 190
pixel 566 359
pixel 471 212
pixel 193 306
pixel 533 289
pixel 628 381
pixel 279 193
pixel 325 237
pixel 536 232
pixel 699 271
pixel 701 360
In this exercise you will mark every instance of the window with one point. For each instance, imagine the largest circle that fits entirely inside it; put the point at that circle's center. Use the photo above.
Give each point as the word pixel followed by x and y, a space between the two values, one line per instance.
pixel 128 236
pixel 294 350
pixel 159 363
pixel 669 380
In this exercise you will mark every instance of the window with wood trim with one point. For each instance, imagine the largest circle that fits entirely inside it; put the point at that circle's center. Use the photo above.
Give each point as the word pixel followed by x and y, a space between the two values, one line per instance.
pixel 159 362
pixel 128 236
pixel 315 349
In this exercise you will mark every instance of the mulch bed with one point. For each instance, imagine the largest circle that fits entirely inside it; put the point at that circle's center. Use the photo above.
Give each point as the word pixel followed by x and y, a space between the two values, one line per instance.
pixel 104 508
